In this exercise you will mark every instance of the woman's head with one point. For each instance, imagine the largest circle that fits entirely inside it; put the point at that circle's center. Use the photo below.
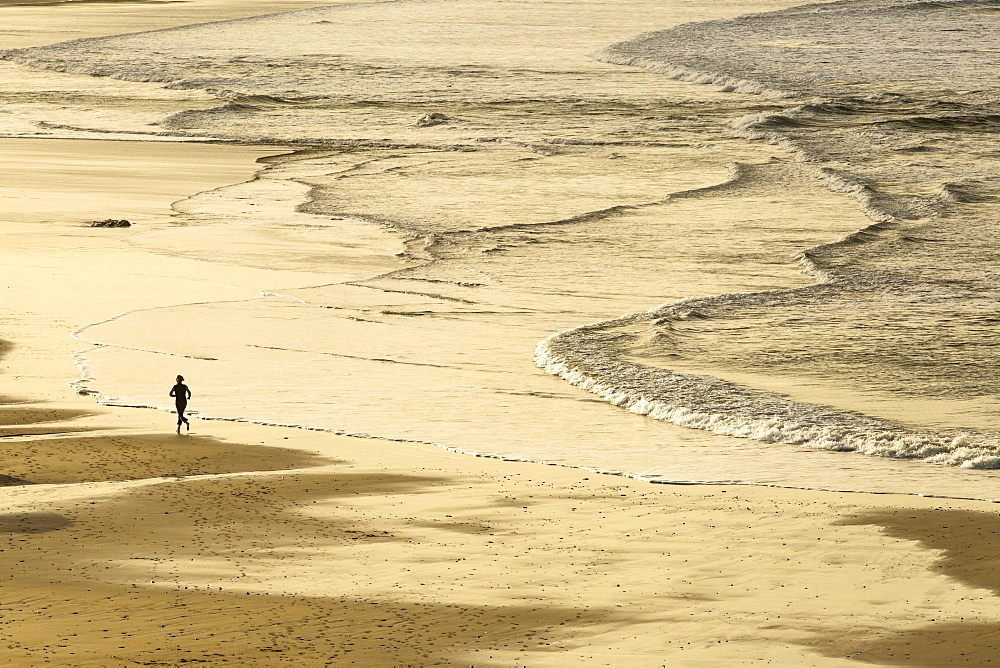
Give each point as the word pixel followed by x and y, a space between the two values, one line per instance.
pixel 180 379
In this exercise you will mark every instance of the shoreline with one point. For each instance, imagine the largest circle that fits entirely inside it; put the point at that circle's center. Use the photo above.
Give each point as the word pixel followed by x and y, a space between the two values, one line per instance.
pixel 389 440
pixel 439 556
pixel 461 560
pixel 250 544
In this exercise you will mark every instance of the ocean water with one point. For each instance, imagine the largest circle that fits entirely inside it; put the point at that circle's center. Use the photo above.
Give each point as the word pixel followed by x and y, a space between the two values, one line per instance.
pixel 756 249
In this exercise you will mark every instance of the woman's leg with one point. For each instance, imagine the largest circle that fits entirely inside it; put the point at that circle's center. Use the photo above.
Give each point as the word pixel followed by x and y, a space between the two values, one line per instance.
pixel 180 417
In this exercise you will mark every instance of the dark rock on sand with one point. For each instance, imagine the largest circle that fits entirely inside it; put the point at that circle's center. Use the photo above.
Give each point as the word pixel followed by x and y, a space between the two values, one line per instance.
pixel 428 120
pixel 111 222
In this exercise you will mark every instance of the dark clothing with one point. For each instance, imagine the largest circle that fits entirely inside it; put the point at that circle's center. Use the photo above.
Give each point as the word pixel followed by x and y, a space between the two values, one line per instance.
pixel 181 394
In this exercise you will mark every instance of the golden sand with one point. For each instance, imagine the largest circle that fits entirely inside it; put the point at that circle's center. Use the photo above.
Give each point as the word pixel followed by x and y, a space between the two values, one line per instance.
pixel 122 543
pixel 386 554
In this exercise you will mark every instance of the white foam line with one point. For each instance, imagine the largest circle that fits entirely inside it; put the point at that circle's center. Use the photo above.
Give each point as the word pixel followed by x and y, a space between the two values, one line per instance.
pixel 726 83
pixel 648 392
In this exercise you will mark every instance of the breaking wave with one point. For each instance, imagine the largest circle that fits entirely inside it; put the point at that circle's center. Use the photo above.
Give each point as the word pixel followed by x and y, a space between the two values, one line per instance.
pixel 525 191
pixel 876 97
pixel 589 358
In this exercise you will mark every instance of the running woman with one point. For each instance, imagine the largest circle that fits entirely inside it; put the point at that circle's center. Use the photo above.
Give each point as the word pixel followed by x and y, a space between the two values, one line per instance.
pixel 181 393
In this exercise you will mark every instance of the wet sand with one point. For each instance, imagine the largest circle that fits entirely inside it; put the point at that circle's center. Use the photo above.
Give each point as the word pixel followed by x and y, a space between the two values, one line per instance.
pixel 240 544
pixel 158 549
pixel 35 22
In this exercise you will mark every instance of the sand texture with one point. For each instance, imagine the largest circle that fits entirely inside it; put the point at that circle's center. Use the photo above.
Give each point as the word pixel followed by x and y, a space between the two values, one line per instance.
pixel 409 555
pixel 123 543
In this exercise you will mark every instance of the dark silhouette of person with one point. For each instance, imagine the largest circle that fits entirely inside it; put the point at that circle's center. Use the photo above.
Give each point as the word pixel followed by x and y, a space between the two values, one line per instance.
pixel 181 393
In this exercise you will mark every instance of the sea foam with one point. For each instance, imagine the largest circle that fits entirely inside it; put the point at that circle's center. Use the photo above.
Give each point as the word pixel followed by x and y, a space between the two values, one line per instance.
pixel 563 191
pixel 872 71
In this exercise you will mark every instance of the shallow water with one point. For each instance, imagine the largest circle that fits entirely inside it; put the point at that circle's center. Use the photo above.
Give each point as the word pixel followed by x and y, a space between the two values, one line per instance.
pixel 479 184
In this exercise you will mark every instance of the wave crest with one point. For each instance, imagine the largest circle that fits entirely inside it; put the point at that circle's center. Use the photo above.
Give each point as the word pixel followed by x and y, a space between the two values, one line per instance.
pixel 585 357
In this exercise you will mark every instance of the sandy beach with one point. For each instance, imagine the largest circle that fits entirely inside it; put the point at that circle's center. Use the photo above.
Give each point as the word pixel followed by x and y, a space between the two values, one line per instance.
pixel 126 544
pixel 253 545
pixel 250 545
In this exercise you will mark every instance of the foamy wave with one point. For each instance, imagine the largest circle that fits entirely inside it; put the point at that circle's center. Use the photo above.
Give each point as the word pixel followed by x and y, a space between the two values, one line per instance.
pixel 774 127
pixel 584 357
pixel 614 55
pixel 800 51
